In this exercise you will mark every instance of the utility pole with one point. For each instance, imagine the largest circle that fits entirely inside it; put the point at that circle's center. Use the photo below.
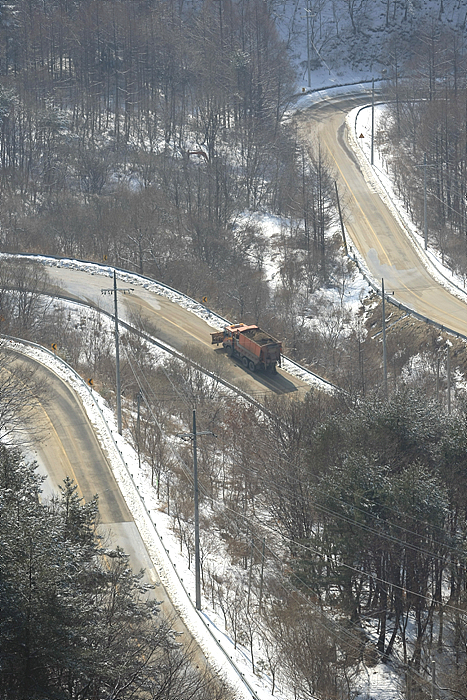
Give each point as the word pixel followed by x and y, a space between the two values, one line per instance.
pixel 308 42
pixel 372 159
pixel 250 577
pixel 341 219
pixel 425 216
pixel 138 430
pixel 448 372
pixel 114 291
pixel 425 224
pixel 193 437
pixel 261 576
pixel 385 359
pixel 437 380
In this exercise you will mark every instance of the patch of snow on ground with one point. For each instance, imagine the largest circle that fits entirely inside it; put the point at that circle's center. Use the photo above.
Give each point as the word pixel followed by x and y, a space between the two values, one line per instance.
pixel 379 682
pixel 270 227
pixel 155 529
pixel 359 122
pixel 213 319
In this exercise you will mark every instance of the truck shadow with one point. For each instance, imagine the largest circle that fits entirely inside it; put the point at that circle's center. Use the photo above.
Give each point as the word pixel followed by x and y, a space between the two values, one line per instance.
pixel 277 383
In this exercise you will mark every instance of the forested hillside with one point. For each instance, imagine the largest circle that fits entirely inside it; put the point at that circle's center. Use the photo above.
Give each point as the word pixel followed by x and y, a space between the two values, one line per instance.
pixel 151 135
pixel 139 131
pixel 367 36
pixel 425 143
pixel 146 134
pixel 75 621
pixel 157 136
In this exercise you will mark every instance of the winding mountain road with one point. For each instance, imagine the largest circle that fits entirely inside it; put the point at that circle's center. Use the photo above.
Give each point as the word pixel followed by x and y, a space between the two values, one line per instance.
pixel 174 325
pixel 69 446
pixel 377 235
pixel 72 448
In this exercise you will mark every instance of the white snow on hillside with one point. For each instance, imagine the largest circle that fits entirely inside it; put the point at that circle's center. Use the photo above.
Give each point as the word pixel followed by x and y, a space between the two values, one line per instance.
pixel 377 176
pixel 379 683
pixel 155 529
pixel 338 53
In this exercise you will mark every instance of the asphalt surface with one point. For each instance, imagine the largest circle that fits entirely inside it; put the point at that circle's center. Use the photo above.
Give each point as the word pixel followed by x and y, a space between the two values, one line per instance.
pixel 69 447
pixel 379 238
pixel 176 326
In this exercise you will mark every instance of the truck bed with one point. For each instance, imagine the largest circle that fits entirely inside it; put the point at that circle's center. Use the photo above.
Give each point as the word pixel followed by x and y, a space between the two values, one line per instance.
pixel 259 336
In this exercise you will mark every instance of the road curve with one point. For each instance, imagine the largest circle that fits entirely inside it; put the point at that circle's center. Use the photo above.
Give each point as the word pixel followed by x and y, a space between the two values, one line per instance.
pixel 68 445
pixel 71 448
pixel 377 235
pixel 174 325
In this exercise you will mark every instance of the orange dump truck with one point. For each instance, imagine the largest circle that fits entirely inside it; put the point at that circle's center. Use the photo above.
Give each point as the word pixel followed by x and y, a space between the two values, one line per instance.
pixel 254 347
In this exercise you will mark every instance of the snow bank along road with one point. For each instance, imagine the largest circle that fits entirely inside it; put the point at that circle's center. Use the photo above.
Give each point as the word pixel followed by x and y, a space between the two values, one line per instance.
pixel 76 441
pixel 71 448
pixel 174 319
pixel 379 236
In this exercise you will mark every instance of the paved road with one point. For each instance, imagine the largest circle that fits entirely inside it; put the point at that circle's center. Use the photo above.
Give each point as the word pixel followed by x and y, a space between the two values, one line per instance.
pixel 176 326
pixel 375 233
pixel 71 448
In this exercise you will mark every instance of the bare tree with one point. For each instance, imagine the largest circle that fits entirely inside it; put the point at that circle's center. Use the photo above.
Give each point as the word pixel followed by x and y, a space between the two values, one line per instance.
pixel 20 392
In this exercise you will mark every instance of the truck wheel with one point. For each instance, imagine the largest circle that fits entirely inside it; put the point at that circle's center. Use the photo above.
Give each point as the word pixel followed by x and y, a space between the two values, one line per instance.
pixel 245 361
pixel 251 366
pixel 228 350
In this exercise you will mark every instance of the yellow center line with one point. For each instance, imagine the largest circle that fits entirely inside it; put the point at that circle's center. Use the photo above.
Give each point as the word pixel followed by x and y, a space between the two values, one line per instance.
pixel 161 313
pixel 50 424
pixel 383 252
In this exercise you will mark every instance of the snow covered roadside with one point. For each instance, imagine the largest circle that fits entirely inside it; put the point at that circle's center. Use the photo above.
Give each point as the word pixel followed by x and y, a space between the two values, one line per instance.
pixel 148 284
pixel 379 682
pixel 321 94
pixel 358 121
pixel 213 319
pixel 154 527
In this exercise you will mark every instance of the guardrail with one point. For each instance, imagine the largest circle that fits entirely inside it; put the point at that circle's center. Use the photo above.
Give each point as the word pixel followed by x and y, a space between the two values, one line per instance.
pixel 416 245
pixel 83 384
pixel 49 259
pixel 404 307
pixel 191 302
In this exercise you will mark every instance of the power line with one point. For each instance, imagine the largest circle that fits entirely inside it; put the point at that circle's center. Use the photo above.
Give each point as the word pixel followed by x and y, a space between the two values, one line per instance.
pixel 308 547
pixel 366 513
